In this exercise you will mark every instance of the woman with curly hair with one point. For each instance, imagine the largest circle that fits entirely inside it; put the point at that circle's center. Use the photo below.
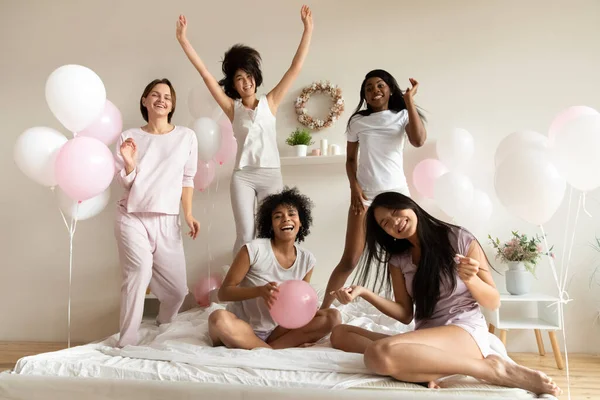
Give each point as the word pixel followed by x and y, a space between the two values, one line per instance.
pixel 252 281
pixel 257 171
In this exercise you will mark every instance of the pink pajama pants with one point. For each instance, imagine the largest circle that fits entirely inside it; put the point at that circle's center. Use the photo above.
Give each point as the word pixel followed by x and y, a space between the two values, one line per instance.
pixel 151 253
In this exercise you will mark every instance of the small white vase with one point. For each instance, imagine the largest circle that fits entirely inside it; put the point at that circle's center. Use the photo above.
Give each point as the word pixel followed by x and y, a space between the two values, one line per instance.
pixel 301 150
pixel 518 279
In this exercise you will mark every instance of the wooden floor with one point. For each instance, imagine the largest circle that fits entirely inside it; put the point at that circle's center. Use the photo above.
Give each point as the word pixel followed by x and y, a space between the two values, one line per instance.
pixel 584 368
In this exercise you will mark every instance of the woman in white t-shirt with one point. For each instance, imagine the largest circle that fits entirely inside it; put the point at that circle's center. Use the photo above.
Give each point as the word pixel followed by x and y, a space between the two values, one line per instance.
pixel 252 281
pixel 257 166
pixel 381 130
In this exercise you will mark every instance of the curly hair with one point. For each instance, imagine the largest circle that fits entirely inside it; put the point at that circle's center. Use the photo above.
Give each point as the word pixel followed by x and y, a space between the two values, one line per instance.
pixel 289 197
pixel 244 58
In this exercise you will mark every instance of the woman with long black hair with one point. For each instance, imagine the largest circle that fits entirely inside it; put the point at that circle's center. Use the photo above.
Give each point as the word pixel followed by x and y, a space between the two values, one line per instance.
pixel 384 119
pixel 440 276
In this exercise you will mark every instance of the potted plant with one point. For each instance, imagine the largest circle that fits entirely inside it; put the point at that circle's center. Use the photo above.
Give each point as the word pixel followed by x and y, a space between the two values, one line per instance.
pixel 521 254
pixel 300 139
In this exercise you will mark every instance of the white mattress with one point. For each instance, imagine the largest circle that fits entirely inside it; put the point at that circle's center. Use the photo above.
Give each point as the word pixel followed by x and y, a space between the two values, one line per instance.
pixel 179 352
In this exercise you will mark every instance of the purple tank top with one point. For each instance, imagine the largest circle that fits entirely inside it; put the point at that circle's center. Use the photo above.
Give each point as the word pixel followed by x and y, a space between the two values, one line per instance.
pixel 453 306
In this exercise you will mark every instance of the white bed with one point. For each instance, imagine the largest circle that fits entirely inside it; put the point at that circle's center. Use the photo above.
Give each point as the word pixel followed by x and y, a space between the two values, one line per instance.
pixel 175 361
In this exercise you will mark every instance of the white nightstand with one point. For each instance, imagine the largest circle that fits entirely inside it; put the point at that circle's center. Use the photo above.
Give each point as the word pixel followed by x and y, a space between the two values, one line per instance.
pixel 547 319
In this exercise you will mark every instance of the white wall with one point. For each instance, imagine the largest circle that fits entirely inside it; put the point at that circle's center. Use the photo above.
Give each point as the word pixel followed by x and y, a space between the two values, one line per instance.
pixel 491 67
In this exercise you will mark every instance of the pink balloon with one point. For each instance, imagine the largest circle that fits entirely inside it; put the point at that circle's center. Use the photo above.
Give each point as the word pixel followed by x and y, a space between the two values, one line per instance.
pixel 567 115
pixel 226 127
pixel 296 304
pixel 228 149
pixel 107 127
pixel 84 168
pixel 203 288
pixel 204 174
pixel 425 174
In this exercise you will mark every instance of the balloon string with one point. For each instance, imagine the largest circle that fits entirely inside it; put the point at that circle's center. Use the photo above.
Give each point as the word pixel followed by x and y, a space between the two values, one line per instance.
pixel 71 229
pixel 585 209
pixel 564 252
pixel 208 229
pixel 566 269
pixel 562 300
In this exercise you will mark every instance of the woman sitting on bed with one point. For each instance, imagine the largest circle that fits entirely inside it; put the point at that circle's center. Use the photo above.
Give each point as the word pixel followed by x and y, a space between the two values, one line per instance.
pixel 442 270
pixel 252 281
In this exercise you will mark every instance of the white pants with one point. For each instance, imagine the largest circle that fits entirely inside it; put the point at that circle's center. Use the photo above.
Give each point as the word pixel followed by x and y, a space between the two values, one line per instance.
pixel 372 194
pixel 247 187
pixel 151 253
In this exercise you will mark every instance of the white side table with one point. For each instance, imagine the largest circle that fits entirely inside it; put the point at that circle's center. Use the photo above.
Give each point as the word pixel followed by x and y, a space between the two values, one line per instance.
pixel 547 319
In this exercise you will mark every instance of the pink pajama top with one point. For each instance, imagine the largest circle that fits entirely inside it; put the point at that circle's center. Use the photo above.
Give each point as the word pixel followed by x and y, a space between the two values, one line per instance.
pixel 165 165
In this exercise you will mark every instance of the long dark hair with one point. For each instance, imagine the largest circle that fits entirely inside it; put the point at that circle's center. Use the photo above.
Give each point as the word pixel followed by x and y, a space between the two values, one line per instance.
pixel 436 266
pixel 396 102
pixel 241 57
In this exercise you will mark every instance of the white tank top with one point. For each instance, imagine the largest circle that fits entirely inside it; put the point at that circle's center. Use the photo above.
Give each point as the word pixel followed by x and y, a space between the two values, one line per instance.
pixel 256 135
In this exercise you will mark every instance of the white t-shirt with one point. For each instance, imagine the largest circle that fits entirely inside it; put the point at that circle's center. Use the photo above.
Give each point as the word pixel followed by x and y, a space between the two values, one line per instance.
pixel 165 165
pixel 381 138
pixel 265 268
pixel 256 134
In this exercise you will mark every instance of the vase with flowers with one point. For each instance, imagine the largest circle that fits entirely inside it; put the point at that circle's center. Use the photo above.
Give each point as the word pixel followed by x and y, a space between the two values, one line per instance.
pixel 521 253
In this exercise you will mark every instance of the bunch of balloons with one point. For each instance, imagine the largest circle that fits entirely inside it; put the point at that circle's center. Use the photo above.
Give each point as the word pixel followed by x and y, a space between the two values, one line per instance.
pixel 532 170
pixel 440 179
pixel 82 167
pixel 216 142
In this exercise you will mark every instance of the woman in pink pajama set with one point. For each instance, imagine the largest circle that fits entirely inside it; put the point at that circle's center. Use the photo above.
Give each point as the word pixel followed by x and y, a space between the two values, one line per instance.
pixel 156 165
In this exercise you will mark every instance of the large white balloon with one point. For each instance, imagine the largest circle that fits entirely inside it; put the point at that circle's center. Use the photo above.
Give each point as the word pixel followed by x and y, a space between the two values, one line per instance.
pixel 76 96
pixel 479 212
pixel 529 185
pixel 455 149
pixel 35 153
pixel 577 150
pixel 453 192
pixel 86 209
pixel 520 141
pixel 209 138
pixel 202 104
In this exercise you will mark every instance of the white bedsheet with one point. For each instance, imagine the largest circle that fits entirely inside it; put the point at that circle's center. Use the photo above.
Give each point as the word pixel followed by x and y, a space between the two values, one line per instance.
pixel 180 352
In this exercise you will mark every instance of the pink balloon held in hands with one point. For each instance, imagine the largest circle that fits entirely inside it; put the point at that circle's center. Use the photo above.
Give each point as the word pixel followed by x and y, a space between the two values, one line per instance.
pixel 296 304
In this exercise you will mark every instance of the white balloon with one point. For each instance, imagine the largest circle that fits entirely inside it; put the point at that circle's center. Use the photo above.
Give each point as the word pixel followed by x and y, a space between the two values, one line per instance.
pixel 209 138
pixel 520 141
pixel 577 150
pixel 76 96
pixel 453 193
pixel 202 104
pixel 456 149
pixel 86 209
pixel 529 185
pixel 35 153
pixel 479 212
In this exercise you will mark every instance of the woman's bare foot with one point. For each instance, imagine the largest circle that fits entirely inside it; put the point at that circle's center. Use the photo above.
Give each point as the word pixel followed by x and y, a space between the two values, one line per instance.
pixel 433 385
pixel 508 374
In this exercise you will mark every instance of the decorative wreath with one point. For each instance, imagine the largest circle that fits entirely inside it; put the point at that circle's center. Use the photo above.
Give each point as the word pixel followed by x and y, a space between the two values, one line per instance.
pixel 334 112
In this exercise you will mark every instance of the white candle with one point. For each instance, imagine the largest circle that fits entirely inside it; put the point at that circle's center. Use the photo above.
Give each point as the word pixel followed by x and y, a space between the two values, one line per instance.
pixel 323 147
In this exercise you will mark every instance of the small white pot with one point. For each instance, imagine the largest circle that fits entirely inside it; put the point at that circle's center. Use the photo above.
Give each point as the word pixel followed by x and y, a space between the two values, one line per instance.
pixel 301 150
